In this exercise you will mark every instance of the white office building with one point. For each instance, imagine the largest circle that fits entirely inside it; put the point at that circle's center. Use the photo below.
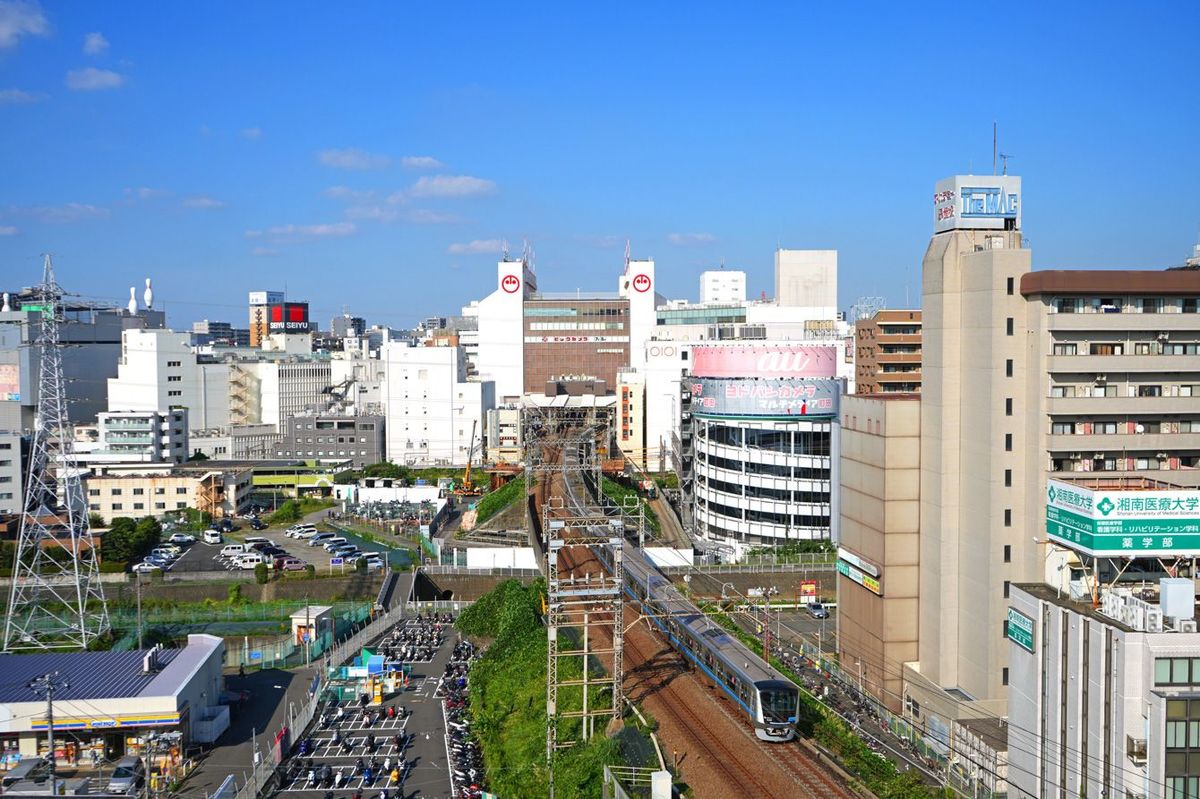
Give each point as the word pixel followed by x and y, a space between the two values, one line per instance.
pixel 430 407
pixel 159 369
pixel 722 287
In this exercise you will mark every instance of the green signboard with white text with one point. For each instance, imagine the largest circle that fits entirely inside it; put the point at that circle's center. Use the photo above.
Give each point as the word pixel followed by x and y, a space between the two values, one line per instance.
pixel 1020 629
pixel 1108 523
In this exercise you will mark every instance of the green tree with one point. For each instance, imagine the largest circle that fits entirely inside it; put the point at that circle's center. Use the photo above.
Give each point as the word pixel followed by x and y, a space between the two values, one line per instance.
pixel 310 570
pixel 146 535
pixel 387 469
pixel 95 520
pixel 261 575
pixel 119 542
pixel 287 513
pixel 347 477
pixel 198 456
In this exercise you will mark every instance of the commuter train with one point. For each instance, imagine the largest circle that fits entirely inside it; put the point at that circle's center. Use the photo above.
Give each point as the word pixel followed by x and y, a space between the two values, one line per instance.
pixel 769 700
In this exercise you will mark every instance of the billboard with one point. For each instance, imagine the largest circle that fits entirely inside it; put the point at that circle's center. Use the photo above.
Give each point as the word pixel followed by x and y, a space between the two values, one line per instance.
pixel 266 297
pixel 859 576
pixel 977 202
pixel 288 317
pixel 765 361
pixel 764 397
pixel 1116 523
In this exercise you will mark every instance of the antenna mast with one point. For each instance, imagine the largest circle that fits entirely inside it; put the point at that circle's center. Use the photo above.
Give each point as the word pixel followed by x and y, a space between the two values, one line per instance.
pixel 56 600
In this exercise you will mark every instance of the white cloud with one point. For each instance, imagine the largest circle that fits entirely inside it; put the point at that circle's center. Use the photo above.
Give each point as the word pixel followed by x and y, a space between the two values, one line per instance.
pixel 452 186
pixel 202 201
pixel 264 252
pixel 91 79
pixel 374 213
pixel 68 212
pixel 420 162
pixel 477 246
pixel 19 18
pixel 603 242
pixel 146 193
pixel 298 232
pixel 94 44
pixel 691 239
pixel 423 216
pixel 8 230
pixel 19 97
pixel 350 195
pixel 252 133
pixel 353 158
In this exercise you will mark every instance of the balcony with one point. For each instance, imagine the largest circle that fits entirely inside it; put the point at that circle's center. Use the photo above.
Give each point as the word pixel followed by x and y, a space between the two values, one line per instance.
pixel 1119 364
pixel 1135 750
pixel 1132 406
pixel 897 357
pixel 1123 321
pixel 1115 444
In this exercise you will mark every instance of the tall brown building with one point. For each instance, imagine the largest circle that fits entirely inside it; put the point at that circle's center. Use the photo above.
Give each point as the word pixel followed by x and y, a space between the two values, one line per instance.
pixel 888 353
pixel 581 336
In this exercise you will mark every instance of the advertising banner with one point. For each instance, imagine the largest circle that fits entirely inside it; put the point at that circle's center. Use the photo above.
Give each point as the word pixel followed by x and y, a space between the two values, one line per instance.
pixel 10 382
pixel 289 317
pixel 765 361
pixel 1119 523
pixel 764 398
pixel 859 576
pixel 977 202
pixel 1020 629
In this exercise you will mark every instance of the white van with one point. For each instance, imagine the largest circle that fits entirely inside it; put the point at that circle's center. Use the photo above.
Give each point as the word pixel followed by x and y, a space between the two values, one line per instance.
pixel 252 540
pixel 212 537
pixel 319 538
pixel 249 560
pixel 335 542
pixel 232 550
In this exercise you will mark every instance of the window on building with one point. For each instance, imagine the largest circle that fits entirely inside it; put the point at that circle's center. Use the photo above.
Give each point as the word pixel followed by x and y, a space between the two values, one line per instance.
pixel 139 506
pixel 1008 326
pixel 1149 391
pixel 1065 348
pixel 93 492
pixel 1151 305
pixel 181 490
pixel 1107 348
pixel 1004 629
pixel 116 492
pixel 90 507
pixel 117 506
pixel 1008 553
pixel 1008 367
pixel 160 505
pixel 1010 286
pixel 1004 676
pixel 1008 442
pixel 180 504
pixel 1008 517
pixel 1008 406
pixel 1008 478
pixel 137 492
pixel 1007 584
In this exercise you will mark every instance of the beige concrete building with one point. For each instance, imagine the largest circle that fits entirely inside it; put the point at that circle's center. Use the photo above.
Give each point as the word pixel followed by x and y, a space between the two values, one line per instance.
pixel 879 549
pixel 631 417
pixel 137 490
pixel 1026 376
pixel 887 353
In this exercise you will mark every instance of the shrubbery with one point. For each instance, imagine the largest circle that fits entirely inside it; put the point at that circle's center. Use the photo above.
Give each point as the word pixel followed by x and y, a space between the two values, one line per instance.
pixel 498 500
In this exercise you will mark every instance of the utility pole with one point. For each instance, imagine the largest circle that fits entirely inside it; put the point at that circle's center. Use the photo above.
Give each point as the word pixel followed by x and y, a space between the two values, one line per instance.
pixel 139 608
pixel 46 685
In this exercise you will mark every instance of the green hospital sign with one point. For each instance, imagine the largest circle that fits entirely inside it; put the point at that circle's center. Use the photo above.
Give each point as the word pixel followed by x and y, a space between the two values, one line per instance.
pixel 1123 523
pixel 1020 629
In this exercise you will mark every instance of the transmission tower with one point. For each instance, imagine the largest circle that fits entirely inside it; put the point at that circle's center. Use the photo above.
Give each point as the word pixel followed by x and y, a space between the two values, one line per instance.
pixel 56 600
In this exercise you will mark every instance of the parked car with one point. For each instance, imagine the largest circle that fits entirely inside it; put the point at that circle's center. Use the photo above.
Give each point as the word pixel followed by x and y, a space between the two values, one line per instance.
pixel 331 544
pixel 273 551
pixel 213 537
pixel 164 553
pixel 298 530
pixel 249 560
pixel 182 538
pixel 319 538
pixel 128 776
pixel 145 567
pixel 818 611
pixel 258 524
pixel 232 551
pixel 345 552
pixel 290 564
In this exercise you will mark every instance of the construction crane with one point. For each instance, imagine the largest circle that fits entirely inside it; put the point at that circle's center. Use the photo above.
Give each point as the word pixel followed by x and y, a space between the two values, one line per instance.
pixel 467 488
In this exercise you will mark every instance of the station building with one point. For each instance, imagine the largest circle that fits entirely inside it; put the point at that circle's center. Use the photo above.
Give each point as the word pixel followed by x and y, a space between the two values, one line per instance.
pixel 111 702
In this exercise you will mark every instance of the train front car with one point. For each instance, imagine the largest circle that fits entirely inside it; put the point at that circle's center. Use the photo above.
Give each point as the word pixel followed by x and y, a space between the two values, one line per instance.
pixel 777 711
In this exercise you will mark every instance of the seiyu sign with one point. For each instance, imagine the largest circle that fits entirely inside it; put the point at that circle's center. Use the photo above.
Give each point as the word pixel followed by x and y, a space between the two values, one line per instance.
pixel 764 361
pixel 972 202
pixel 763 397
pixel 1123 523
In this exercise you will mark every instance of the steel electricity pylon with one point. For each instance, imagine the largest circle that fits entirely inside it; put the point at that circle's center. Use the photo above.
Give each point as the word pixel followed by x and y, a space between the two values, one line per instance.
pixel 56 600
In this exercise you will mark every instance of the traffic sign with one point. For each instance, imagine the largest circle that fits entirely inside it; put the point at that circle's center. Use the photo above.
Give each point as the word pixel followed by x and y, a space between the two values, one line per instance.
pixel 256 654
pixel 336 561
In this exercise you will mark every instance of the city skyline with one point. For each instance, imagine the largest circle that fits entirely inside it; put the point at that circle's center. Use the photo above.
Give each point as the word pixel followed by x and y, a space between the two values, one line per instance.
pixel 400 149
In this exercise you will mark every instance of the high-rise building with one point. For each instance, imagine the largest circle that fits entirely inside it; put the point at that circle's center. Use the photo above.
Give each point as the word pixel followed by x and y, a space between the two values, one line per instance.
pixel 887 353
pixel 260 314
pixel 807 279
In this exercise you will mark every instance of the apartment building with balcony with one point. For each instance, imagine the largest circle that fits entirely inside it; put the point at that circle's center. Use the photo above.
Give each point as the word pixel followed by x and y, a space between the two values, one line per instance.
pixel 887 353
pixel 1119 388
pixel 138 437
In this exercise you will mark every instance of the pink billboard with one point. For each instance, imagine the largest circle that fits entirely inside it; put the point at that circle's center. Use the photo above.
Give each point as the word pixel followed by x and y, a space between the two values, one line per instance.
pixel 764 361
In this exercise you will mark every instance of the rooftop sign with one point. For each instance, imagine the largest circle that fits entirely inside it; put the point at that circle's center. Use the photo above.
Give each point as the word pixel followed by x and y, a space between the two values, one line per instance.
pixel 1117 523
pixel 763 397
pixel 974 202
pixel 764 361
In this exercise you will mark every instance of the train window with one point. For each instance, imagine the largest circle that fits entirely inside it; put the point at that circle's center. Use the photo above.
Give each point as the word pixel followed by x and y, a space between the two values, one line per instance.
pixel 778 705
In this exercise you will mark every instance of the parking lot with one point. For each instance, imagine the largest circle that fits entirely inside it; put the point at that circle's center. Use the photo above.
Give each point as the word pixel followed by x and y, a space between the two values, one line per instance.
pixel 205 557
pixel 412 742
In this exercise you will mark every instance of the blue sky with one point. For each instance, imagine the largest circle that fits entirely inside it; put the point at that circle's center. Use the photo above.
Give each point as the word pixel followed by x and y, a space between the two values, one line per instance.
pixel 369 155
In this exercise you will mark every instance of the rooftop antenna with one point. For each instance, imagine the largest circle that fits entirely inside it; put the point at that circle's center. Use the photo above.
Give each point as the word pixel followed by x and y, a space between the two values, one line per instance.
pixel 504 248
pixel 993 146
pixel 1004 161
pixel 627 250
